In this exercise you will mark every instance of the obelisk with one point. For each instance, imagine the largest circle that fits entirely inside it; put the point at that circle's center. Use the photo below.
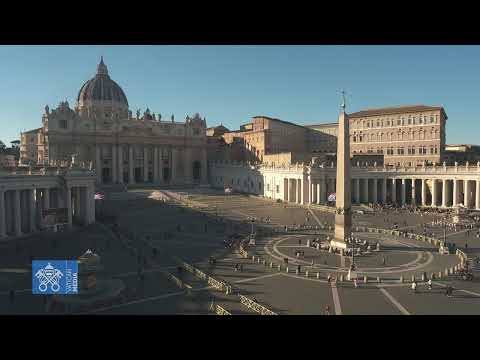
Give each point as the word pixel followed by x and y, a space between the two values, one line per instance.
pixel 343 212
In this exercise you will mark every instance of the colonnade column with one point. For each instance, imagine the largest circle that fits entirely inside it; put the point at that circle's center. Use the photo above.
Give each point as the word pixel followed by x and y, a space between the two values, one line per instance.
pixel 404 185
pixel 444 193
pixel 319 193
pixel 455 193
pixel 414 200
pixel 46 199
pixel 31 210
pixel 466 193
pixel 477 195
pixel 17 216
pixel 120 164
pixel 310 195
pixel 394 191
pixel 357 191
pixel 384 191
pixel 68 200
pixel 434 192
pixel 299 191
pixel 3 230
pixel 114 164
pixel 365 189
pixel 145 164
pixel 424 192
pixel 375 198
pixel 131 178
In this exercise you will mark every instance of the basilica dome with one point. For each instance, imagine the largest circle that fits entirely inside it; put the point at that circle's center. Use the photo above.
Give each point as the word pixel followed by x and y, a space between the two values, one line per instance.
pixel 101 91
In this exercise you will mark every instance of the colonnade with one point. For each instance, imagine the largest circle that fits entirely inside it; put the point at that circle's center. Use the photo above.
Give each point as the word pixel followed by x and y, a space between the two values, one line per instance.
pixel 22 209
pixel 401 191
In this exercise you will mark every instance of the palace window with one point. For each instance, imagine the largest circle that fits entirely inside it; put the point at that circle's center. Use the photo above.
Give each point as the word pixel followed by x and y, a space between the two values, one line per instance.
pixel 63 124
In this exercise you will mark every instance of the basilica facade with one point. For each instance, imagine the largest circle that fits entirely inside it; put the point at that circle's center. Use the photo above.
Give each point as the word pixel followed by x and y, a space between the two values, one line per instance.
pixel 122 148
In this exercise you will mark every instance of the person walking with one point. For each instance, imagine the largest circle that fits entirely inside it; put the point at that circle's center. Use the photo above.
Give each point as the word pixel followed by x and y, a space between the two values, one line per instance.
pixel 327 310
pixel 430 284
pixel 329 278
pixel 355 284
pixel 414 287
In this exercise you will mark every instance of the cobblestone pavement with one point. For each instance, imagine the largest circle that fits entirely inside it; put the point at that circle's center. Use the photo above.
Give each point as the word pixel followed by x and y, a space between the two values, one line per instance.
pixel 194 229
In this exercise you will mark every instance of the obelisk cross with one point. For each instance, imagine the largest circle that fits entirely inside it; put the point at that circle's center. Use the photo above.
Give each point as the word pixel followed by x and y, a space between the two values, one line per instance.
pixel 344 103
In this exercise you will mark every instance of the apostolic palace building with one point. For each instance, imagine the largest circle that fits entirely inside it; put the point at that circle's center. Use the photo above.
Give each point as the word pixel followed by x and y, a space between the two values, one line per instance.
pixel 398 155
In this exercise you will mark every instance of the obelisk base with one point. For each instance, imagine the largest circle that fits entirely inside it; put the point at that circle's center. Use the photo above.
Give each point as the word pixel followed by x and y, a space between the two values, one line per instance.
pixel 343 229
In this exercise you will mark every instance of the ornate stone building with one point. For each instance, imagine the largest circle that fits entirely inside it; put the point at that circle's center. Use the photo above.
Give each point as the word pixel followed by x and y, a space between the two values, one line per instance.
pixel 120 147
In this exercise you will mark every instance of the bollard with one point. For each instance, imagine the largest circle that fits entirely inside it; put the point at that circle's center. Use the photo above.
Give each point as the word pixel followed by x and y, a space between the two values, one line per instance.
pixel 365 279
pixel 258 260
pixel 286 270
pixel 253 258
pixel 451 271
pixel 265 262
pixel 306 273
pixel 296 272
pixel 413 278
pixel 378 279
pixel 341 278
pixel 308 243
pixel 271 264
pixel 318 246
pixel 446 272
pixel 330 249
pixel 279 267
pixel 401 279
pixel 423 277
pixel 318 275
pixel 439 274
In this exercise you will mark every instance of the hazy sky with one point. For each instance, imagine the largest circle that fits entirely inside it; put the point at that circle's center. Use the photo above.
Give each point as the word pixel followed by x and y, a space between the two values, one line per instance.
pixel 230 84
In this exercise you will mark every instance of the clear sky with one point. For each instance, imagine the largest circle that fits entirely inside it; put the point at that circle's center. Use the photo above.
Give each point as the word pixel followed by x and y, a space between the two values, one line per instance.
pixel 230 84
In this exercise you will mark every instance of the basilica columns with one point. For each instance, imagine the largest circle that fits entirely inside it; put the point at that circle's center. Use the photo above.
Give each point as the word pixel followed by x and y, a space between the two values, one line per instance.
pixel 434 192
pixel 173 165
pixel 404 185
pixel 374 193
pixel 155 165
pixel 145 164
pixel 120 164
pixel 114 164
pixel 131 177
pixel 414 200
pixel 384 190
pixel 319 193
pixel 98 164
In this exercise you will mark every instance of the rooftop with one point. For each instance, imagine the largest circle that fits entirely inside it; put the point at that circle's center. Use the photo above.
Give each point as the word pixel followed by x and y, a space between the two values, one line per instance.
pixel 394 110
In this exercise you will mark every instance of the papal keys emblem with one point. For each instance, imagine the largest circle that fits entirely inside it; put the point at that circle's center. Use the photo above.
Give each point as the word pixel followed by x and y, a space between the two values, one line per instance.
pixel 49 276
